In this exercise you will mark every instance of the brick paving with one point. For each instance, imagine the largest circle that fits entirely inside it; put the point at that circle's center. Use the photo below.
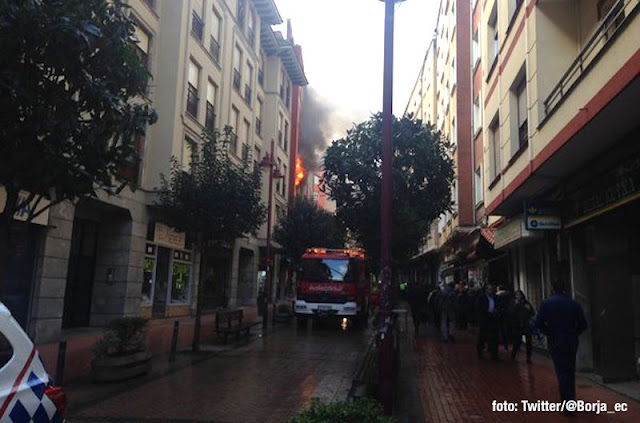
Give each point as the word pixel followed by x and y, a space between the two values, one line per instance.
pixel 456 386
pixel 268 380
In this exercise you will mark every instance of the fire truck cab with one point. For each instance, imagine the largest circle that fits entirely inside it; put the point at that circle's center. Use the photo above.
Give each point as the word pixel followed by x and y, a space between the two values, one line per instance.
pixel 332 282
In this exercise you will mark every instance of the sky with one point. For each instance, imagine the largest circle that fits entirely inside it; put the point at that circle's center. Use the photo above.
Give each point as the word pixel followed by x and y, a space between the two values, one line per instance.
pixel 342 44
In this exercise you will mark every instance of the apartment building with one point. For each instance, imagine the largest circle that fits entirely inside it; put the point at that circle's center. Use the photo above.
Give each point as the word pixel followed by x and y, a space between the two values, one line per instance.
pixel 213 63
pixel 561 90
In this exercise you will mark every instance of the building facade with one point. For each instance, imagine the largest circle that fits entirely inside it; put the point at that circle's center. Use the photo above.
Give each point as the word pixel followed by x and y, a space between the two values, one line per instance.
pixel 213 63
pixel 554 89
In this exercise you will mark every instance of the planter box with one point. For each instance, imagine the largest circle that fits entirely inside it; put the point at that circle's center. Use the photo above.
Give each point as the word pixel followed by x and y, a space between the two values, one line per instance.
pixel 112 369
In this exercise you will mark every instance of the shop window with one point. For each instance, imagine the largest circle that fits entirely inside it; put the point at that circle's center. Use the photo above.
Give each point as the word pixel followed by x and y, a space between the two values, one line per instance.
pixel 181 275
pixel 148 267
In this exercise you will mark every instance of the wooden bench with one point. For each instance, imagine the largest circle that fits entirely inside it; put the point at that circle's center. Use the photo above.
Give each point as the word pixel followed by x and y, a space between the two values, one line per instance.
pixel 230 322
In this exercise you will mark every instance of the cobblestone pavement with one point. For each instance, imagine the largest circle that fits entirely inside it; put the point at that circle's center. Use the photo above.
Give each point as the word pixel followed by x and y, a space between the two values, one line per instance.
pixel 268 380
pixel 456 386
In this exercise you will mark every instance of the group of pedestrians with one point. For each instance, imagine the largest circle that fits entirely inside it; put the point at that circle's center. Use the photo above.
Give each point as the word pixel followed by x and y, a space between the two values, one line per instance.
pixel 505 318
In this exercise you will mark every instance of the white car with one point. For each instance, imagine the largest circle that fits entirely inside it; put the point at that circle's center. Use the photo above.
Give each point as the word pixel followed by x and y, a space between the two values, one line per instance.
pixel 26 390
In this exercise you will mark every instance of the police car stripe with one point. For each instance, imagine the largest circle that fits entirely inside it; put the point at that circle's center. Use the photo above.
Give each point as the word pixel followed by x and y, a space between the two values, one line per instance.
pixel 16 384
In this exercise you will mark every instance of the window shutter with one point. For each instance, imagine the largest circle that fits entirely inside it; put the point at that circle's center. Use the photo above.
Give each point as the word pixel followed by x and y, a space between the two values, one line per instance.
pixel 194 74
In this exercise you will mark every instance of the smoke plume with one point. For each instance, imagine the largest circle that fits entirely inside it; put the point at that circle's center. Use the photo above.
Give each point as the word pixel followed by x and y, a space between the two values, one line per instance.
pixel 321 121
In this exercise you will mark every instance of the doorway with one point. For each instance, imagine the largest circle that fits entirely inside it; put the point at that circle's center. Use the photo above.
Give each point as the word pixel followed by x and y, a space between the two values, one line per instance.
pixel 161 287
pixel 80 275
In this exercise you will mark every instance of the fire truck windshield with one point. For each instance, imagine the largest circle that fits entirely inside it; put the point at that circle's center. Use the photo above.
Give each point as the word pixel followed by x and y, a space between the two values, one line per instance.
pixel 329 270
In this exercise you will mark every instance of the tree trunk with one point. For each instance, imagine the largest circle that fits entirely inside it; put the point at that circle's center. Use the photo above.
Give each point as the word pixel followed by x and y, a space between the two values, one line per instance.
pixel 195 346
pixel 6 218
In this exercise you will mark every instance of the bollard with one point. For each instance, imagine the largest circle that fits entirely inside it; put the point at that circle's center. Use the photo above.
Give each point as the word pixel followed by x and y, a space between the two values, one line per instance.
pixel 62 353
pixel 174 341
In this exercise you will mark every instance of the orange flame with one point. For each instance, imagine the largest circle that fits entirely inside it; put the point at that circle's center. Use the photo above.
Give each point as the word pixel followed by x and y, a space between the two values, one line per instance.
pixel 299 172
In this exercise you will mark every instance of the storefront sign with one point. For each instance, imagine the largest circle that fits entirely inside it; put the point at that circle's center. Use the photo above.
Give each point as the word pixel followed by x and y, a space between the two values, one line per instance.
pixel 24 213
pixel 168 237
pixel 607 191
pixel 512 231
pixel 541 216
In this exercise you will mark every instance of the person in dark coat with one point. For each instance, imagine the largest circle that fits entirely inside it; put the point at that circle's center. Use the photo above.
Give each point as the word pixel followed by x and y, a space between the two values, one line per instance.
pixel 520 313
pixel 417 297
pixel 504 297
pixel 448 310
pixel 487 311
pixel 562 320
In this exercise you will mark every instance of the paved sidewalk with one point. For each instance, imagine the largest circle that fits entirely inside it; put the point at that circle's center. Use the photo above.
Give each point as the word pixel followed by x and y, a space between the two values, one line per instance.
pixel 456 386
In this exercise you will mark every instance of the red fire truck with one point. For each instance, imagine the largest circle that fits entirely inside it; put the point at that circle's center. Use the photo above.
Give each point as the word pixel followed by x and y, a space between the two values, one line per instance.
pixel 333 283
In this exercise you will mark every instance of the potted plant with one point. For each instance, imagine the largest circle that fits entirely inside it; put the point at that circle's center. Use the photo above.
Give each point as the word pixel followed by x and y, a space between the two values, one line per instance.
pixel 283 313
pixel 121 352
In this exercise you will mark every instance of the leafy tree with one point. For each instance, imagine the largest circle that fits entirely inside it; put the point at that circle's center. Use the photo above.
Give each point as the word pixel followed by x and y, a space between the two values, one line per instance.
pixel 215 200
pixel 305 226
pixel 422 175
pixel 69 78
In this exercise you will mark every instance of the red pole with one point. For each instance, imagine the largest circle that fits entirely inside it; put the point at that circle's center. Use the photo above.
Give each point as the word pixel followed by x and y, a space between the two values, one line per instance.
pixel 386 385
pixel 267 283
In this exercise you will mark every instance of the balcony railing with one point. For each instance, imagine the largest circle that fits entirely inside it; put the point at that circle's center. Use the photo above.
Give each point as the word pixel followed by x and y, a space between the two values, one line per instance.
pixel 600 41
pixel 247 94
pixel 236 79
pixel 214 49
pixel 210 118
pixel 192 101
pixel 261 77
pixel 258 126
pixel 197 26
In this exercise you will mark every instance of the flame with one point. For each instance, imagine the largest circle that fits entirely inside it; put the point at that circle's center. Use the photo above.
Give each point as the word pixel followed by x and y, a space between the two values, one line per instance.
pixel 299 172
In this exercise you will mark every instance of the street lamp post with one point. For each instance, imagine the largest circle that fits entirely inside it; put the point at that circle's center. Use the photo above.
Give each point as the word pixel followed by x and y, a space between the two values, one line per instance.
pixel 386 385
pixel 268 161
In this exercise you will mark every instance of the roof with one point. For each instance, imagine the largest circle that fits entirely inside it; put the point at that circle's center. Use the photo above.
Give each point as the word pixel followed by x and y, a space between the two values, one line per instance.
pixel 268 12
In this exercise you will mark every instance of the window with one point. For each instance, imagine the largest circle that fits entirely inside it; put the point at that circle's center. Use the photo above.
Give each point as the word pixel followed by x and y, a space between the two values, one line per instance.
pixel 280 122
pixel 454 134
pixel 192 94
pixel 235 122
pixel 256 157
pixel 453 74
pixel 475 50
pixel 214 40
pixel 188 152
pixel 282 78
pixel 454 195
pixel 142 46
pixel 287 99
pixel 197 25
pixel 131 172
pixel 148 267
pixel 259 116
pixel 241 12
pixel 494 149
pixel 251 30
pixel 514 6
pixel 612 12
pixel 180 276
pixel 237 61
pixel 477 115
pixel 284 180
pixel 286 136
pixel 493 46
pixel 248 92
pixel 246 133
pixel 261 71
pixel 212 94
pixel 278 184
pixel 479 193
pixel 523 127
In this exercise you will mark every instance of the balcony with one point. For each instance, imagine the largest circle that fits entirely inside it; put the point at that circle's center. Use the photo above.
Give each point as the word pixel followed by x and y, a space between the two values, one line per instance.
pixel 214 49
pixel 236 79
pixel 247 94
pixel 192 101
pixel 197 26
pixel 258 126
pixel 210 118
pixel 603 37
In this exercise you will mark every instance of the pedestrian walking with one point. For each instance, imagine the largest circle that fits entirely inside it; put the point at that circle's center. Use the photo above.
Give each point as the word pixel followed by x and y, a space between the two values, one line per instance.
pixel 448 309
pixel 488 322
pixel 503 297
pixel 520 313
pixel 417 297
pixel 562 320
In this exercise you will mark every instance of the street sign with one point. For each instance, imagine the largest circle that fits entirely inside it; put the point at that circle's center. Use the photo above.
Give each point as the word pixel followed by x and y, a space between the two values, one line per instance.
pixel 541 216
